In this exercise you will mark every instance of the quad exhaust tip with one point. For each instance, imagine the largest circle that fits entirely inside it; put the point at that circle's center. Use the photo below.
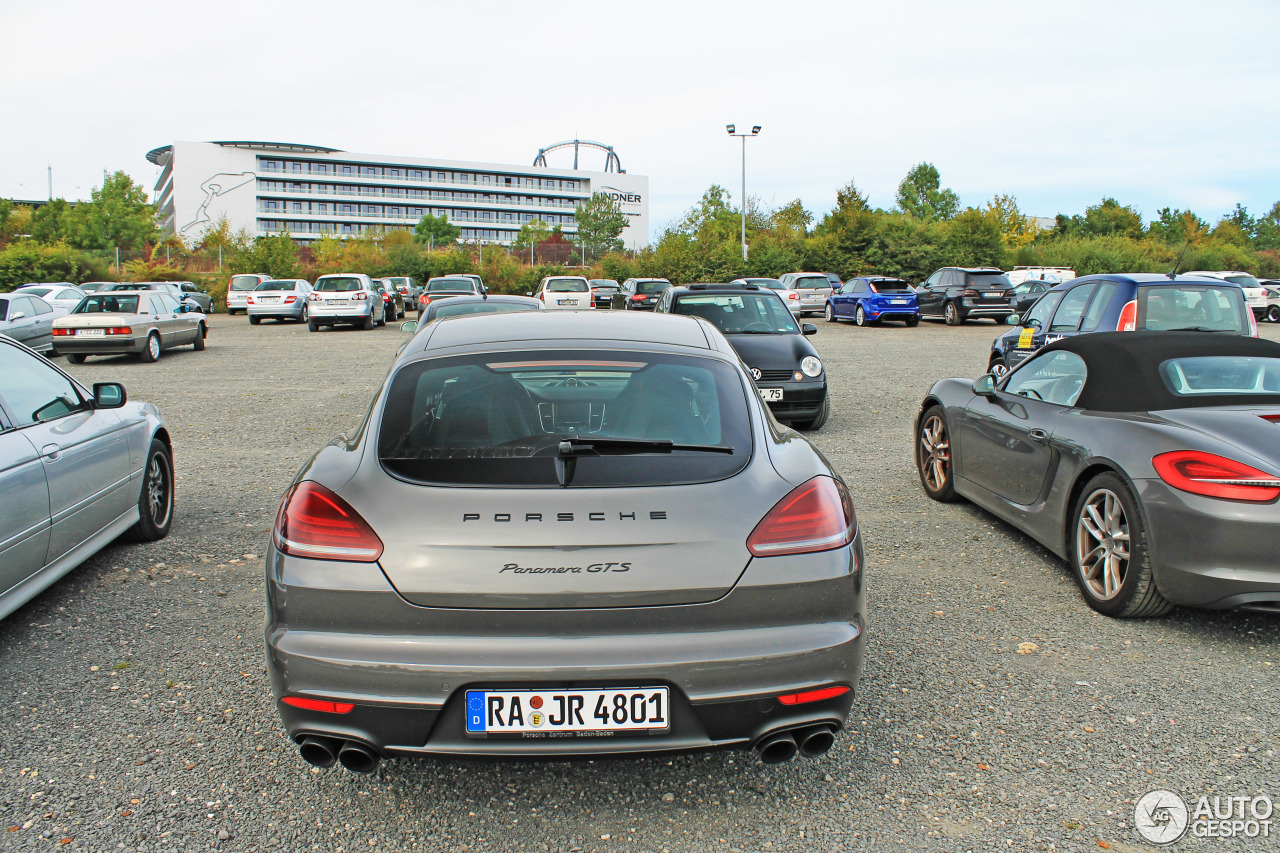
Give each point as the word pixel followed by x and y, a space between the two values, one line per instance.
pixel 325 752
pixel 809 741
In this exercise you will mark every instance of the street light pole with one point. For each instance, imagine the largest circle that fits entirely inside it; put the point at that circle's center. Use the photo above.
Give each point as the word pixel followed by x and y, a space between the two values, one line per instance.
pixel 755 131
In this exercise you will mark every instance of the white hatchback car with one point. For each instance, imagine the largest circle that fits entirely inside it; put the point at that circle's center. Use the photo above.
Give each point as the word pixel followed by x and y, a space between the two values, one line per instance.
pixel 564 291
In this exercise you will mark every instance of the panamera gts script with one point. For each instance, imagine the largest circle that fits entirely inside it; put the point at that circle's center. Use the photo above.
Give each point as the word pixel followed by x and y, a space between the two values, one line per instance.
pixel 594 568
pixel 507 517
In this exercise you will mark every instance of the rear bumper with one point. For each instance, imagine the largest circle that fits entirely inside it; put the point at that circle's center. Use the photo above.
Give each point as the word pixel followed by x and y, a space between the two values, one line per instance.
pixel 1212 553
pixel 99 346
pixel 340 313
pixel 970 309
pixel 791 624
pixel 291 310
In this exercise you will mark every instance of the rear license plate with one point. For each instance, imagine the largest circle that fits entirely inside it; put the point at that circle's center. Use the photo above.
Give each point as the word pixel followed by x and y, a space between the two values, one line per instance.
pixel 91 333
pixel 335 302
pixel 770 395
pixel 269 299
pixel 522 712
pixel 566 302
pixel 898 301
pixel 994 295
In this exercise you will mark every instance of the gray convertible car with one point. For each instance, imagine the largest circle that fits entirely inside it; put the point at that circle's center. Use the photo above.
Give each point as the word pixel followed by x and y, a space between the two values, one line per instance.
pixel 78 468
pixel 564 534
pixel 1150 461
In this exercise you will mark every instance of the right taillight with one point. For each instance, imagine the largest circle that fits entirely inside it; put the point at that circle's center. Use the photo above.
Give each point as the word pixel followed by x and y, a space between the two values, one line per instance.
pixel 1216 476
pixel 815 516
pixel 1128 317
pixel 314 522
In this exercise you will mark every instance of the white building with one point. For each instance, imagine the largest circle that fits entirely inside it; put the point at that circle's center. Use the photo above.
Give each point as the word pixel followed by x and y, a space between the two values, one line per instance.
pixel 307 191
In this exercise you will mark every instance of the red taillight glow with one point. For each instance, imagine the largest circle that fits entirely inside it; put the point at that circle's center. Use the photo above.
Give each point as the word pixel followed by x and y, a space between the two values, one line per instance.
pixel 1275 419
pixel 319 705
pixel 816 516
pixel 289 299
pixel 113 330
pixel 249 299
pixel 812 695
pixel 637 297
pixel 1128 317
pixel 970 293
pixel 58 333
pixel 1216 476
pixel 873 287
pixel 314 522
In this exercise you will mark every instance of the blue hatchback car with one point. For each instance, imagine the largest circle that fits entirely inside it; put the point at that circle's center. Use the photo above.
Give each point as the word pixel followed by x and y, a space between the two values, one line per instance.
pixel 1124 303
pixel 870 299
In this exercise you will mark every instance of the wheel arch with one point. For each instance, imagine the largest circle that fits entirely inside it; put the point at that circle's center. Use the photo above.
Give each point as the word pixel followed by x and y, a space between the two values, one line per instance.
pixel 1087 472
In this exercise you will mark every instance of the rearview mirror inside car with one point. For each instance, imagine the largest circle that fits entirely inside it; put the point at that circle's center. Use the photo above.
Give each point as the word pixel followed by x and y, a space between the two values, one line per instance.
pixel 808 329
pixel 985 385
pixel 108 395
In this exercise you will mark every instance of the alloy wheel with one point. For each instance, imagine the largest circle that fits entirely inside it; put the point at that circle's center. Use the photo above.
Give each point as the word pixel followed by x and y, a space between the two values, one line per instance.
pixel 1102 544
pixel 153 345
pixel 159 503
pixel 935 453
pixel 998 369
pixel 1273 313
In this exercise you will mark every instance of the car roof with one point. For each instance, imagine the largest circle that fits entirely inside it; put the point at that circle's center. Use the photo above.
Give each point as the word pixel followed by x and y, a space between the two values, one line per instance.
pixel 1123 368
pixel 492 297
pixel 1147 279
pixel 537 327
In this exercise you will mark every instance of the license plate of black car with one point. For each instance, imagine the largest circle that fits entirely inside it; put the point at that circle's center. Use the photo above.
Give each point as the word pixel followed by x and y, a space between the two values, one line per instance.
pixel 994 295
pixel 636 710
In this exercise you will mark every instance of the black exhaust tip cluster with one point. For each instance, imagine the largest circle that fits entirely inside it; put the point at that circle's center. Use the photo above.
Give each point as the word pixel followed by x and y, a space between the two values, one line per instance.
pixel 809 741
pixel 324 752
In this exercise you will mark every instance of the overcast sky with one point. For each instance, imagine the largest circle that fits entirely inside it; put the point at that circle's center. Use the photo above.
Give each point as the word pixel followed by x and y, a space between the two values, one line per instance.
pixel 1165 103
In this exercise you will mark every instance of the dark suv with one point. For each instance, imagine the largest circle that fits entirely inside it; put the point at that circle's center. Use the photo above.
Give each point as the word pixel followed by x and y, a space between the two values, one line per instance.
pixel 1124 303
pixel 957 294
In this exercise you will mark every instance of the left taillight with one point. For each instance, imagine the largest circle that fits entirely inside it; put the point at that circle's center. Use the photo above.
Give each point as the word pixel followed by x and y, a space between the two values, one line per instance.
pixel 1216 476
pixel 815 516
pixel 319 705
pixel 314 522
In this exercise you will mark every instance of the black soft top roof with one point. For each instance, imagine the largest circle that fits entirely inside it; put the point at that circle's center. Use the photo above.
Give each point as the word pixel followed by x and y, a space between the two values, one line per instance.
pixel 1124 368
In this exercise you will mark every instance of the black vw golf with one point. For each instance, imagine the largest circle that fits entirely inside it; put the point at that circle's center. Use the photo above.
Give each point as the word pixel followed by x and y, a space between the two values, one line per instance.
pixel 766 336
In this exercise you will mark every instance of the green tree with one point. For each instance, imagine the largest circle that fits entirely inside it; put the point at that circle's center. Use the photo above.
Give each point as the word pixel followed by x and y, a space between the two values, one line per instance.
pixel 600 220
pixel 975 239
pixel 532 233
pixel 920 195
pixel 1110 217
pixel 791 219
pixel 436 230
pixel 51 222
pixel 845 235
pixel 117 216
pixel 1016 230
pixel 275 254
pixel 1176 227
pixel 1268 233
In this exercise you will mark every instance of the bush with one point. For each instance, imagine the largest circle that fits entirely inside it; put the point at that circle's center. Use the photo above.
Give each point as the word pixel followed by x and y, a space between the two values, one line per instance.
pixel 24 261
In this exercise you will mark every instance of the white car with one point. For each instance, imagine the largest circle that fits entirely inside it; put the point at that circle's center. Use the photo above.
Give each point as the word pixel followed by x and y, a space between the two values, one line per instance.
pixel 1273 300
pixel 60 294
pixel 239 287
pixel 1254 293
pixel 569 292
pixel 791 297
pixel 348 297
pixel 1018 275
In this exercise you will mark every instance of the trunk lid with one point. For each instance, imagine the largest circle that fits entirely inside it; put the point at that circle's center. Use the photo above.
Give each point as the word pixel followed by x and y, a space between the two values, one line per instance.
pixel 553 548
pixel 1254 431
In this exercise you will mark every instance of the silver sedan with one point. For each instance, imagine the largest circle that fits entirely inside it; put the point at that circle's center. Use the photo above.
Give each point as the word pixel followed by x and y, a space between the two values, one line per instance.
pixel 279 299
pixel 141 322
pixel 79 467
pixel 28 319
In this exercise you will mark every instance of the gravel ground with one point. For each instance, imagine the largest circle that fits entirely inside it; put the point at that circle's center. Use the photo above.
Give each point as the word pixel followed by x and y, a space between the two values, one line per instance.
pixel 135 711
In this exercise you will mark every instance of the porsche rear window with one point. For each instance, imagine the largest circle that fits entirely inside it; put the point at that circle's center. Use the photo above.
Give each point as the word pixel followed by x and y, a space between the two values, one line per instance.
pixel 565 419
pixel 1222 375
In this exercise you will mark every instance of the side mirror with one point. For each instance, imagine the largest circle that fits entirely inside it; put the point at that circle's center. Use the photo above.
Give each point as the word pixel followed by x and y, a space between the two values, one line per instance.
pixel 985 385
pixel 17 315
pixel 409 327
pixel 108 395
pixel 808 329
pixel 1014 320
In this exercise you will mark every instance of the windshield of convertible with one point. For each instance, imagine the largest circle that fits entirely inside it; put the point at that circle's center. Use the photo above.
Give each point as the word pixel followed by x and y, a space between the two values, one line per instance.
pixel 1222 375
pixel 740 314
pixel 565 419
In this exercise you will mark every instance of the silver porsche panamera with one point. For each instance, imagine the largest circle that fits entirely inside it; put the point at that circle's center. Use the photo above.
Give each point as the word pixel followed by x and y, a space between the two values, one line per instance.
pixel 1150 461
pixel 565 534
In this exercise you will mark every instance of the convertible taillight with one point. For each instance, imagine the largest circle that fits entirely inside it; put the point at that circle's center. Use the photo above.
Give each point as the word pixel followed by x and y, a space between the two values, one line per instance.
pixel 1216 476
pixel 319 705
pixel 314 522
pixel 1128 317
pixel 813 695
pixel 815 516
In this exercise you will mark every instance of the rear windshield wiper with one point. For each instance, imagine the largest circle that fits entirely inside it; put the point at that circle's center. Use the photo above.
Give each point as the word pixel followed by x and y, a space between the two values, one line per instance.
pixel 584 446
pixel 1196 329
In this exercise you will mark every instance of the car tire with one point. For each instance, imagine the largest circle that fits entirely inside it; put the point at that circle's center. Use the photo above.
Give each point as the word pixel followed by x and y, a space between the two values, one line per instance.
pixel 1115 581
pixel 76 357
pixel 305 315
pixel 201 332
pixel 313 326
pixel 151 353
pixel 367 323
pixel 819 420
pixel 155 504
pixel 952 315
pixel 860 317
pixel 933 456
pixel 1273 313
pixel 829 313
pixel 255 321
pixel 913 321
pixel 998 367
